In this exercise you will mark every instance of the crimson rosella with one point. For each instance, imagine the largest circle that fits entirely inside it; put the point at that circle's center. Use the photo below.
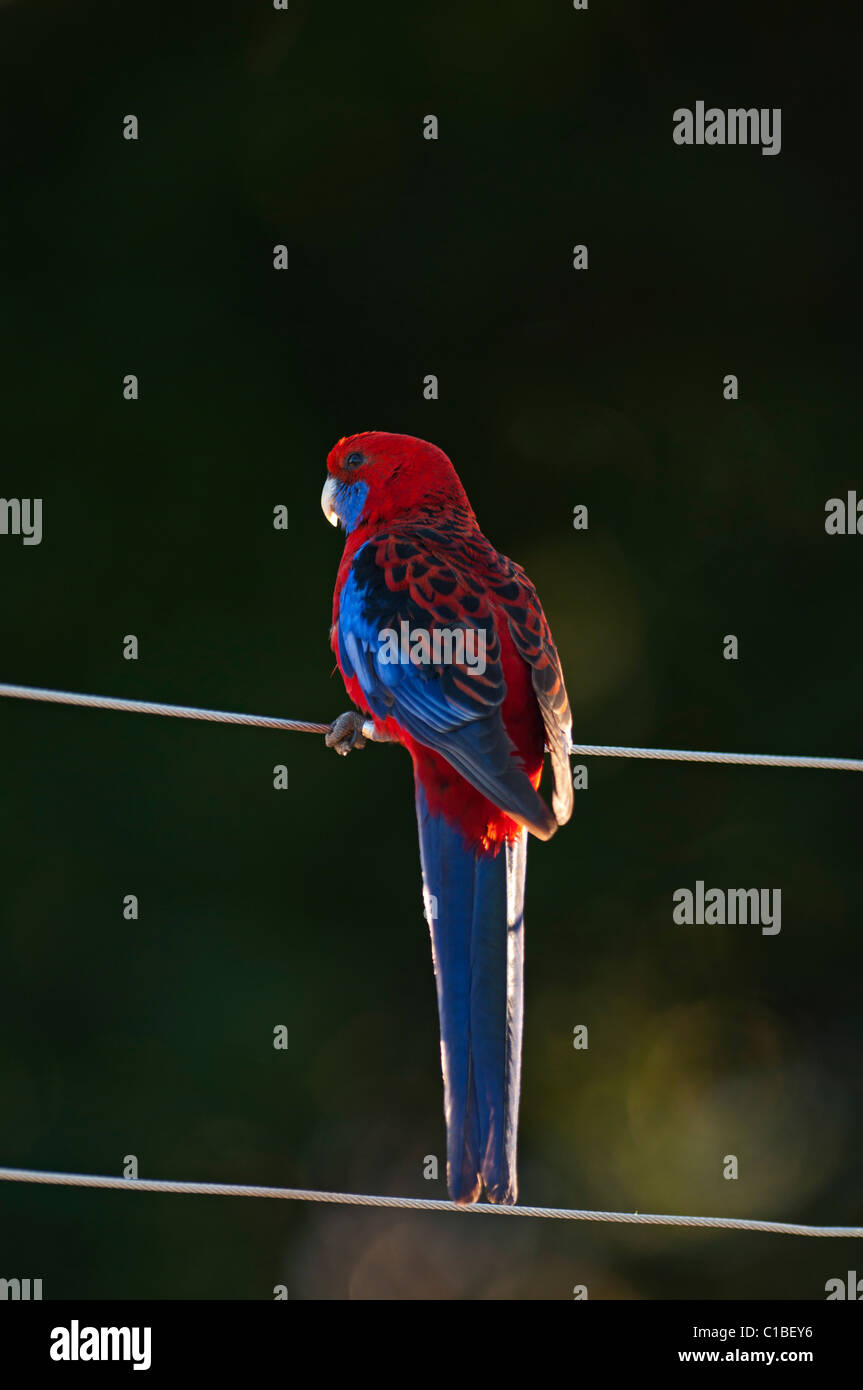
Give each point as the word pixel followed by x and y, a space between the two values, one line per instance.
pixel 443 642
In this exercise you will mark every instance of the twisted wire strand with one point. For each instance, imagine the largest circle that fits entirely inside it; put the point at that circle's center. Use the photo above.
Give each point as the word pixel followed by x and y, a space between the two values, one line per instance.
pixel 215 716
pixel 357 1199
pixel 262 721
pixel 689 755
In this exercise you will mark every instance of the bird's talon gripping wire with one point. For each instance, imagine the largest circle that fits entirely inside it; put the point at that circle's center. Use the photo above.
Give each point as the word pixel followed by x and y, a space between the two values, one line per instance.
pixel 346 733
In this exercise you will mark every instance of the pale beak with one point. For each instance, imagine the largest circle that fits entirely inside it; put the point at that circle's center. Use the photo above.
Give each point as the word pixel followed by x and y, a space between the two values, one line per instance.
pixel 328 502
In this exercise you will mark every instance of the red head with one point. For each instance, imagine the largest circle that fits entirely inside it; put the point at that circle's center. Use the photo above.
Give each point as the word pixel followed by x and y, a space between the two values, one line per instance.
pixel 374 478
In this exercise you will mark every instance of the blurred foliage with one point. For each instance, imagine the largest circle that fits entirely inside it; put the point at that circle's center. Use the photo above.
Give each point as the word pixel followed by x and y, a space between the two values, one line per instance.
pixel 257 908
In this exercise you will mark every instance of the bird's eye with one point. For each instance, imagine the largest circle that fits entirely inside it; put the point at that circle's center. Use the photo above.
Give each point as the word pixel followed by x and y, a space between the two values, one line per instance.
pixel 354 460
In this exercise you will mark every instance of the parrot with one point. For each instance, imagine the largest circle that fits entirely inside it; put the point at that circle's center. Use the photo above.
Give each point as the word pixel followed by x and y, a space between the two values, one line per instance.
pixel 443 645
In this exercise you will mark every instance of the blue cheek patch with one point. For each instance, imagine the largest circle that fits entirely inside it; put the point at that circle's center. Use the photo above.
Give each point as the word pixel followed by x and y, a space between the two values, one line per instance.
pixel 350 500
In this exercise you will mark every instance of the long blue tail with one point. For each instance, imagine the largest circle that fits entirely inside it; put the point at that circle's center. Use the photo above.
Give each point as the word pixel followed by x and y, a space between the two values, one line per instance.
pixel 475 908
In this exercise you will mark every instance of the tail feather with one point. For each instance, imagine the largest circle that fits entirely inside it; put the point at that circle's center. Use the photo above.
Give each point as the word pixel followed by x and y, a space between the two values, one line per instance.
pixel 475 907
pixel 497 994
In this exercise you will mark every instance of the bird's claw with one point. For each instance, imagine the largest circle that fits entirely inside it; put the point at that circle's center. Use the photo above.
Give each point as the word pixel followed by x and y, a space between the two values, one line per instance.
pixel 346 733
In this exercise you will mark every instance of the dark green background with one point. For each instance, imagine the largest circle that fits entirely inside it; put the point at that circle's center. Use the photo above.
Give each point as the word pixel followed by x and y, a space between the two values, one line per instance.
pixel 556 388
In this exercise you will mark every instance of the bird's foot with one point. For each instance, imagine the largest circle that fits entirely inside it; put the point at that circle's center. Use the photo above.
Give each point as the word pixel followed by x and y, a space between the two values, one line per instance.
pixel 346 733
